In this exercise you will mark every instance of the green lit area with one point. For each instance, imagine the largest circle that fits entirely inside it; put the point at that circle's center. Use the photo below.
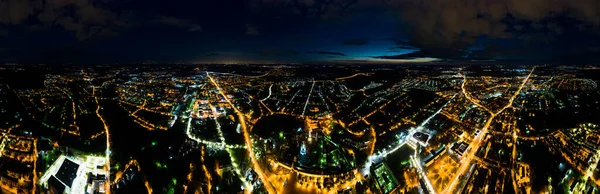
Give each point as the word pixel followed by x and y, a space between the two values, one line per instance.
pixel 386 182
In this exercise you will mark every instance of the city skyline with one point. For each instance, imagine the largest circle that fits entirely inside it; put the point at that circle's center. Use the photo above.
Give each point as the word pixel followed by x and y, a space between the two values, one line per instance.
pixel 299 96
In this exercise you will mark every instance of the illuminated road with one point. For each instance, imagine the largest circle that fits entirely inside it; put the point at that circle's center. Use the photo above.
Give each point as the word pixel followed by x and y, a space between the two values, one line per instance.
pixel 308 98
pixel 363 118
pixel 406 141
pixel 146 109
pixel 131 163
pixel 229 151
pixel 211 144
pixel 417 163
pixel 513 166
pixel 247 139
pixel 348 77
pixel 107 152
pixel 73 107
pixel 437 112
pixel 474 101
pixel 291 100
pixel 270 87
pixel 476 143
pixel 587 174
pixel 248 76
pixel 206 172
pixel 521 137
pixel 35 179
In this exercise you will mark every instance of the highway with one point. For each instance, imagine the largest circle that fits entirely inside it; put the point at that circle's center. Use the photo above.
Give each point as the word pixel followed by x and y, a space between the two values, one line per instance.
pixel 270 87
pixel 476 143
pixel 247 139
pixel 351 76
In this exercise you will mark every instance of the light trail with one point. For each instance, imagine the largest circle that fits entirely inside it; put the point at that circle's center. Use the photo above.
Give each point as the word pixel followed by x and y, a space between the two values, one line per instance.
pixel 351 76
pixel 308 98
pixel 248 76
pixel 269 93
pixel 468 157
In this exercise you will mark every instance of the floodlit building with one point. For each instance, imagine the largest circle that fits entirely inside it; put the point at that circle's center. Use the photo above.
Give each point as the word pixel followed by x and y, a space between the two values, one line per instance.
pixel 75 175
pixel 62 179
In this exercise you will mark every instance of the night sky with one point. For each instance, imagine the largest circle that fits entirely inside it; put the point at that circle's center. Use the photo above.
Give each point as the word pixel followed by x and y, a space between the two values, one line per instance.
pixel 300 31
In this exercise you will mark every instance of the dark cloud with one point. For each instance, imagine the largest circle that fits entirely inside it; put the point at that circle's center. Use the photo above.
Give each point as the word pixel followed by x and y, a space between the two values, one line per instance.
pixel 16 11
pixel 445 29
pixel 401 48
pixel 310 9
pixel 356 42
pixel 275 53
pixel 398 41
pixel 171 21
pixel 440 54
pixel 404 47
pixel 195 29
pixel 400 45
pixel 251 30
pixel 446 57
pixel 453 55
pixel 214 54
pixel 80 16
pixel 61 54
pixel 448 23
pixel 180 23
pixel 327 53
pixel 342 61
pixel 563 51
pixel 448 29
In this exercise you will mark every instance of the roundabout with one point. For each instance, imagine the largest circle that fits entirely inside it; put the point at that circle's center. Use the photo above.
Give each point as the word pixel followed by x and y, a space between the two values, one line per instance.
pixel 299 154
pixel 303 144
